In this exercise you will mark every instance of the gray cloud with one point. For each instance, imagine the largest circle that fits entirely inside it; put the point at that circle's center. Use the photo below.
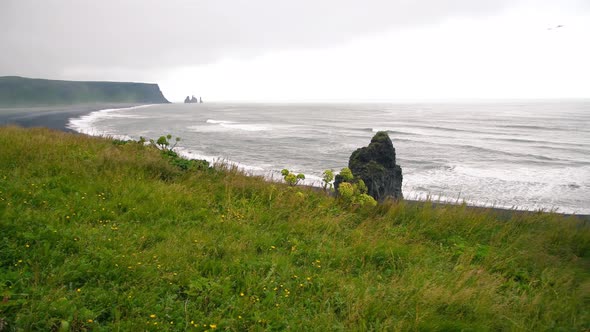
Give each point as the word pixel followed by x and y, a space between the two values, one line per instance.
pixel 49 38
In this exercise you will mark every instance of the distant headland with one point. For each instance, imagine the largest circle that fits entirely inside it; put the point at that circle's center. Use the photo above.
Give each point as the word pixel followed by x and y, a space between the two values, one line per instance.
pixel 18 91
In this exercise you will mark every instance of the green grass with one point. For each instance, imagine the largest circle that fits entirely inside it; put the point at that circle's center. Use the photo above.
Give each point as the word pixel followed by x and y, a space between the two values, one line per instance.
pixel 98 235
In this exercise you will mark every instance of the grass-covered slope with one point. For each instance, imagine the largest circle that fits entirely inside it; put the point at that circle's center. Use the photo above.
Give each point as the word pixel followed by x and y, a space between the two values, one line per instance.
pixel 27 92
pixel 96 235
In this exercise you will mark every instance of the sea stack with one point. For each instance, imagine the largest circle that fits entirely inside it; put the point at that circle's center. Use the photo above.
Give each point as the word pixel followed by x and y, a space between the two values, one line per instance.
pixel 191 100
pixel 375 165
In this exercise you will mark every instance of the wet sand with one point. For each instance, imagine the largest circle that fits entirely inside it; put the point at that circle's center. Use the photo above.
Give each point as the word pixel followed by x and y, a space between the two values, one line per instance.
pixel 54 117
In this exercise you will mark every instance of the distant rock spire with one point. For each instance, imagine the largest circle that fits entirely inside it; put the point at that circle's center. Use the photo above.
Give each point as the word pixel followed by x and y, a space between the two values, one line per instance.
pixel 192 100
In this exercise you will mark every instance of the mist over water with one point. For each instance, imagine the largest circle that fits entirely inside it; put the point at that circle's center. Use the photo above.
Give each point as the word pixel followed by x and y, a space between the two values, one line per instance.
pixel 528 155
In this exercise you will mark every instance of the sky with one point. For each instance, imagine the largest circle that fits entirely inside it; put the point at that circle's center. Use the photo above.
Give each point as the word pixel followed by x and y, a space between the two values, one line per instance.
pixel 321 50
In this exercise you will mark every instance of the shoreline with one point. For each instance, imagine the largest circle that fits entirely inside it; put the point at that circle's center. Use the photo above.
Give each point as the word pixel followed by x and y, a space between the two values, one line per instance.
pixel 504 213
pixel 500 212
pixel 53 117
pixel 58 117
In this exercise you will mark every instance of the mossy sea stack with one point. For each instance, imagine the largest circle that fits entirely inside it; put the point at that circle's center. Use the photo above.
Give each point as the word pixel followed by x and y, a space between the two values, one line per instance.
pixel 375 165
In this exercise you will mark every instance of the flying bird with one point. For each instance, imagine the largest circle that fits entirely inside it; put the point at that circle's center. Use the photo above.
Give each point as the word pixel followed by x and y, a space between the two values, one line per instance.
pixel 556 27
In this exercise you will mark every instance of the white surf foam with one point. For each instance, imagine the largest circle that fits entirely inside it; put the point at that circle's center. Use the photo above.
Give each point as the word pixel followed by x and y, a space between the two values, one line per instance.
pixel 519 188
pixel 86 123
pixel 265 172
pixel 218 160
pixel 521 174
pixel 238 126
pixel 441 198
pixel 218 121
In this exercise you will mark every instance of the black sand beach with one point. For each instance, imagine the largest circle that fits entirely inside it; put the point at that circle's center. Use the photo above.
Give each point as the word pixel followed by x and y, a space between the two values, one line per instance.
pixel 54 117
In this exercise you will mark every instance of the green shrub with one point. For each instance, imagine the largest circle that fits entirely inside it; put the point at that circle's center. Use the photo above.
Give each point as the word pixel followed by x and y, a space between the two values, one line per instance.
pixel 290 178
pixel 346 191
pixel 163 143
pixel 346 174
pixel 353 191
pixel 366 200
pixel 328 177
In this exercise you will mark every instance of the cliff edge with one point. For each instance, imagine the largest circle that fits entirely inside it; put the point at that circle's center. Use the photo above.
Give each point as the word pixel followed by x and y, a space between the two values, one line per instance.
pixel 18 91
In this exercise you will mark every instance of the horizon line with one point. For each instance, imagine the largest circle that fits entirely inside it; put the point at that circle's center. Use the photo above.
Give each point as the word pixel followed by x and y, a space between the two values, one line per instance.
pixel 400 100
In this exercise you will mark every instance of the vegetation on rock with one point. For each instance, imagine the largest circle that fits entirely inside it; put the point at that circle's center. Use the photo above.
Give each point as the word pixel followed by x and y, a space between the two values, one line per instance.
pixel 375 165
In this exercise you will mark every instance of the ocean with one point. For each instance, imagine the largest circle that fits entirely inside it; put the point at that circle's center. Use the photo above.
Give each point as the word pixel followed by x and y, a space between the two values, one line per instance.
pixel 529 155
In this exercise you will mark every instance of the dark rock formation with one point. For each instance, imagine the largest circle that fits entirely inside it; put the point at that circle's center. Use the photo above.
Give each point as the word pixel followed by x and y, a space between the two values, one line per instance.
pixel 375 165
pixel 192 100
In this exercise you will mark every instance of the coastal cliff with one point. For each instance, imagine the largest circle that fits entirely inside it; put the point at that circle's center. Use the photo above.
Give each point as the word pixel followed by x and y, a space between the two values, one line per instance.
pixel 28 92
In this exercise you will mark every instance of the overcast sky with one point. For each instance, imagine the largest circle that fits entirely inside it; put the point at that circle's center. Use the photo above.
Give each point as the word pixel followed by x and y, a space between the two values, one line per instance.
pixel 304 50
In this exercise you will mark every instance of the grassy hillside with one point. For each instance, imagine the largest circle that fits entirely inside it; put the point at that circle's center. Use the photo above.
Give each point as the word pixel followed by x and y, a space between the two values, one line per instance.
pixel 27 92
pixel 99 235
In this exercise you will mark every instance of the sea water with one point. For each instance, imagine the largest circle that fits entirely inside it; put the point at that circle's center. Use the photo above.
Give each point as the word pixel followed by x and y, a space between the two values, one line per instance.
pixel 532 155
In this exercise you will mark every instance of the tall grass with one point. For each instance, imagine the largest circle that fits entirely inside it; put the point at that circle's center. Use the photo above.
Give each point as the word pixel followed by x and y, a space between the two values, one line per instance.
pixel 105 236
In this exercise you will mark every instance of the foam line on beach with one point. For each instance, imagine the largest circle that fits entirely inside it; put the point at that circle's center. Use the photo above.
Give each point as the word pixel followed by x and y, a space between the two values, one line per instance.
pixel 423 196
pixel 85 124
pixel 218 160
pixel 268 174
pixel 437 198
